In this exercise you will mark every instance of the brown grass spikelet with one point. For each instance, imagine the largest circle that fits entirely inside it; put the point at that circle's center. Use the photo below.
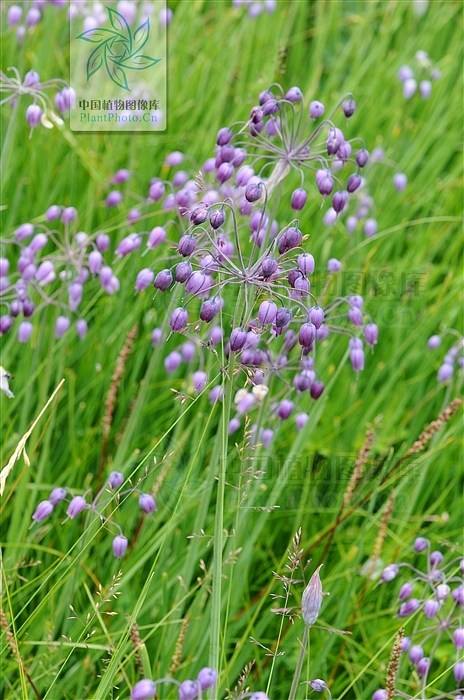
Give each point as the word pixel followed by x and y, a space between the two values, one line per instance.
pixel 178 651
pixel 361 461
pixel 393 664
pixel 433 427
pixel 383 527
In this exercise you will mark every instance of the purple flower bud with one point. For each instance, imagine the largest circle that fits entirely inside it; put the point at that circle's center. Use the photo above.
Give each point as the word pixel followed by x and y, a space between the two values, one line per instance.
pixel 224 136
pixel 68 215
pixel 5 323
pixel 435 558
pixel 216 394
pixel 120 176
pixel 24 231
pixel 317 389
pixel 299 198
pixel 120 546
pixel 209 309
pixel 156 191
pixel 458 638
pixel 400 181
pixel 370 227
pixel 187 245
pixel 284 409
pixel 409 88
pixel 237 339
pixel 380 694
pixel 115 480
pixel 349 107
pixel 4 267
pixel 459 671
pixel 267 312
pixel 290 238
pixel 294 94
pixel 207 678
pixel 301 419
pixel 306 263
pixel 198 283
pixel 43 510
pixel 244 175
pixel 445 372
pixel 389 573
pixel 354 182
pixel 371 333
pixel 163 280
pixel 65 99
pixel 339 201
pixel 405 591
pixel 156 237
pixel 422 667
pixel 57 495
pixel 113 199
pixel 259 695
pixel 416 653
pixel 199 215
pixel 312 599
pixel 76 506
pixel 216 218
pixel 421 544
pixel 24 331
pixel 316 316
pixel 458 595
pixel 355 316
pixel 61 326
pixel 188 690
pixel 53 213
pixel 357 359
pixel 434 342
pixel 33 115
pixel 183 271
pixel 179 319
pixel 143 690
pixel 95 261
pixel 199 380
pixel 324 182
pixel 14 15
pixel 442 591
pixel 253 191
pixel 283 318
pixel 147 503
pixel 224 172
pixel 409 607
pixel 33 17
pixel 307 335
pixel 144 279
pixel 316 109
pixel 405 73
pixel 431 607
pixel 425 89
pixel 172 361
pixel 362 157
pixel 39 241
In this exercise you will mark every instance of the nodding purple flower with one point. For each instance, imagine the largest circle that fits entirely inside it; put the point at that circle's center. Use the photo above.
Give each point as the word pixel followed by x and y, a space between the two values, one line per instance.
pixel 339 201
pixel 349 107
pixel 102 242
pixel 266 436
pixel 425 89
pixel 458 638
pixel 156 336
pixel 422 667
pixel 458 595
pixel 33 115
pixel 31 79
pixel 404 73
pixel 370 227
pixel 188 351
pixel 311 601
pixel 380 694
pixel 306 263
pixel 318 685
pixel 198 283
pixel 234 425
pixel 57 495
pixel 216 394
pixel 163 280
pixel 14 15
pixel 431 608
pixel 61 326
pixel 324 182
pixel 421 544
pixel 400 181
pixel 207 678
pixel 267 312
pixel 354 183
pixel 285 409
pixel 121 176
pixel 143 690
pixel 299 199
pixel 224 136
pixel 188 690
pixel 172 361
pixel 445 372
pixel 237 340
pixel 5 323
pixel 43 510
pixel 120 546
pixel 24 331
pixel 434 342
pixel 362 157
pixel 458 671
pixel 24 231
pixel 156 191
pixel 65 99
pixel 435 558
pixel 409 88
pixel 442 591
pixel 301 419
pixel 144 279
pixel 115 480
pixel 294 94
pixel 199 380
pixel 307 335
pixel 113 199
pixel 389 573
pixel 147 503
pixel 316 109
pixel 68 215
pixel 95 261
pixel 4 267
pixel 76 506
pixel 179 319
pixel 409 607
pixel 371 333
pixel 187 245
pixel 224 172
pixel 334 265
pixel 356 357
pixel 355 316
pixel 317 388
pixel 156 237
pixel 316 316
pixel 405 590
pixel 33 17
pixel 199 215
pixel 290 238
pixel 183 271
pixel 254 191
pixel 216 218
pixel 416 653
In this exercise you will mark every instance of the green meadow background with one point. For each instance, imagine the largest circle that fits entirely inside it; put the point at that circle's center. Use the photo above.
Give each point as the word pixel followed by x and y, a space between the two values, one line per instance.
pixel 70 605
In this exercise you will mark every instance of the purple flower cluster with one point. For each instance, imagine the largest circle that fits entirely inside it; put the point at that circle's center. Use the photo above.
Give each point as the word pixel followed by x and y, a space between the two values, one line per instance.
pixel 453 361
pixel 97 506
pixel 419 79
pixel 40 110
pixel 256 7
pixel 146 689
pixel 433 596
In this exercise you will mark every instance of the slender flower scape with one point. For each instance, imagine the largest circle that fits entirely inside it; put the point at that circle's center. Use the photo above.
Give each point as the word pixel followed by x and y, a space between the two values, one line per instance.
pixel 418 80
pixel 433 595
pixel 40 110
pixel 98 507
pixel 453 361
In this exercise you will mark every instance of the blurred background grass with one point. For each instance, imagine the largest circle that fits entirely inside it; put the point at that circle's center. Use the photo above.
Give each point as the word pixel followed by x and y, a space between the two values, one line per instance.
pixel 219 60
